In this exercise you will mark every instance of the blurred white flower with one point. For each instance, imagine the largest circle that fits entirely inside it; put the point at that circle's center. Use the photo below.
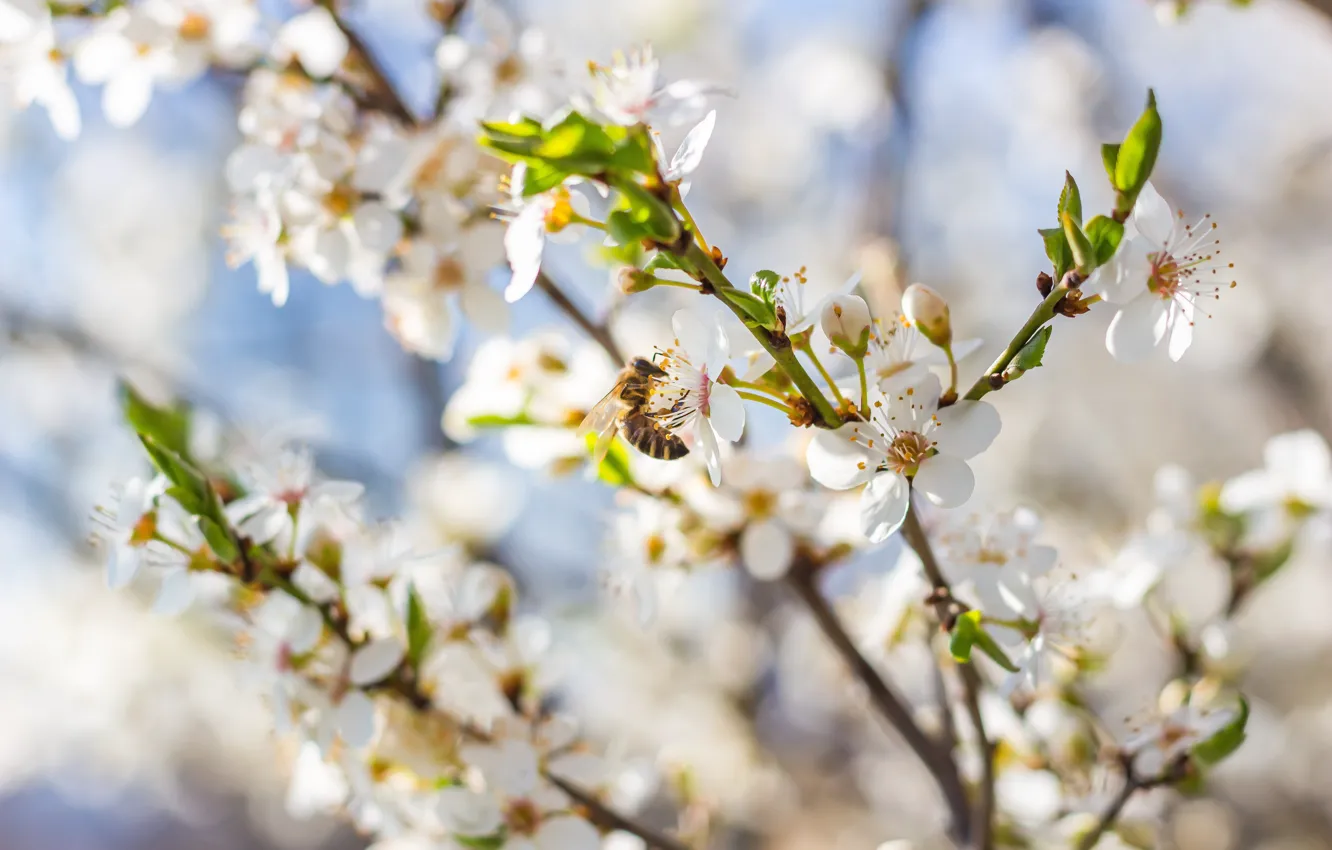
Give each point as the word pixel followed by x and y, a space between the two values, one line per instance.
pixel 985 551
pixel 34 67
pixel 314 39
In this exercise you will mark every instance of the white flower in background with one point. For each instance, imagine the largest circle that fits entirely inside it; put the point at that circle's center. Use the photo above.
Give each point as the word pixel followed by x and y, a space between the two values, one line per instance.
pixel 204 32
pixel 180 583
pixel 1296 476
pixel 33 66
pixel 649 548
pixel 899 355
pixel 984 551
pixel 1164 734
pixel 254 235
pixel 628 91
pixel 688 400
pixel 509 71
pixel 907 442
pixel 282 489
pixel 314 39
pixel 1056 612
pixel 129 529
pixel 1156 277
pixel 128 52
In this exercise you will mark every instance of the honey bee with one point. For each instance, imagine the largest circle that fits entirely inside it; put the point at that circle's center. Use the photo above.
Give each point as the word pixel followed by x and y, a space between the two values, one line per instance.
pixel 625 408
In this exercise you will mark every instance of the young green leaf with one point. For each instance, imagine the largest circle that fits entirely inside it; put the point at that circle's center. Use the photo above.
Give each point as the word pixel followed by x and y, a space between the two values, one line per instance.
pixel 576 144
pixel 655 218
pixel 764 284
pixel 969 634
pixel 1030 355
pixel 1104 234
pixel 541 177
pixel 760 312
pixel 418 628
pixel 1070 200
pixel 168 426
pixel 1137 154
pixel 1084 258
pixel 1226 740
pixel 1109 156
pixel 1056 248
pixel 219 540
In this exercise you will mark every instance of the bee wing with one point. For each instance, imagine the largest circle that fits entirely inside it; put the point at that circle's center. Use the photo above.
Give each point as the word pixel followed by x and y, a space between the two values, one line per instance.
pixel 603 445
pixel 601 418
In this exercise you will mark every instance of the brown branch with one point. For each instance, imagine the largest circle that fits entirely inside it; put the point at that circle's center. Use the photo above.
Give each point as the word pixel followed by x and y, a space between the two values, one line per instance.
pixel 596 330
pixel 947 608
pixel 607 818
pixel 891 706
pixel 385 94
pixel 1170 774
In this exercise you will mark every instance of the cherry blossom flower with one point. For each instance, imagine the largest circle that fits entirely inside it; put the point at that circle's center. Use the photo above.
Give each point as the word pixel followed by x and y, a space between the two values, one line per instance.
pixel 314 39
pixel 629 90
pixel 129 529
pixel 282 490
pixel 1296 476
pixel 899 355
pixel 689 400
pixel 985 551
pixel 34 66
pixel 128 52
pixel 1156 277
pixel 1164 734
pixel 532 222
pixel 1056 613
pixel 908 441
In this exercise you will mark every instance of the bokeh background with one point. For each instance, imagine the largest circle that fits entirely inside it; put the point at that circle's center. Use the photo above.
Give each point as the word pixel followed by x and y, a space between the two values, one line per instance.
pixel 910 140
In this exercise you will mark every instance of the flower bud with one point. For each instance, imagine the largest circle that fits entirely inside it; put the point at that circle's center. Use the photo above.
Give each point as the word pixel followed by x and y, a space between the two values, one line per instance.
pixel 846 321
pixel 928 312
pixel 630 280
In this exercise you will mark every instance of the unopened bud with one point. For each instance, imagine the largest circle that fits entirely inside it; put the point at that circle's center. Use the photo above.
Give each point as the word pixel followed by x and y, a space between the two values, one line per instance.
pixel 630 280
pixel 928 312
pixel 846 321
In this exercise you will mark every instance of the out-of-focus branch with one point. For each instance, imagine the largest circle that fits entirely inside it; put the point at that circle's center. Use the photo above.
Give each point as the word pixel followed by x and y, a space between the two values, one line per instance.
pixel 891 706
pixel 596 330
pixel 1323 6
pixel 385 94
pixel 1133 783
pixel 944 606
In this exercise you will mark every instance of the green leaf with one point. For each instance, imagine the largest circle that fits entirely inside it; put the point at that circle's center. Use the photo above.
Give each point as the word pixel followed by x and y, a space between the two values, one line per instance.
pixel 219 540
pixel 576 144
pixel 1109 155
pixel 1056 248
pixel 481 842
pixel 968 634
pixel 168 426
pixel 1266 564
pixel 1070 200
pixel 1137 154
pixel 635 154
pixel 624 229
pixel 760 312
pixel 1104 234
pixel 496 420
pixel 523 128
pixel 1226 740
pixel 663 260
pixel 541 177
pixel 654 215
pixel 418 627
pixel 1030 355
pixel 764 285
pixel 1084 257
pixel 189 486
pixel 614 468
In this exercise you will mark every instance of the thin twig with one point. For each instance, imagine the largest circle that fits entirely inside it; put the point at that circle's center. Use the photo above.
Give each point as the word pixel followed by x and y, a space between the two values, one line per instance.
pixel 607 818
pixel 892 707
pixel 390 101
pixel 946 608
pixel 1170 774
pixel 596 330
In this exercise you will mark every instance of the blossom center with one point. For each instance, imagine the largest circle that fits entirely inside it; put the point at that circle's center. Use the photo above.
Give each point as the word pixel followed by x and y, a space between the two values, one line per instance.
pixel 449 274
pixel 760 504
pixel 906 451
pixel 194 27
pixel 523 817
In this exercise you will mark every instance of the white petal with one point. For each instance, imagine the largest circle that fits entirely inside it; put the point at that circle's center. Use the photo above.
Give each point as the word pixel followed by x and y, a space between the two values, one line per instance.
pixel 706 444
pixel 374 661
pixel 101 55
pixel 1124 276
pixel 356 719
pixel 767 549
pixel 467 812
pixel 267 523
pixel 1136 329
pixel 378 227
pixel 1250 490
pixel 945 480
pixel 304 629
pixel 63 110
pixel 690 154
pixel 567 833
pixel 691 333
pixel 316 41
pixel 175 593
pixel 485 308
pixel 1181 329
pixel 883 506
pixel 966 428
pixel 760 362
pixel 837 461
pixel 726 412
pixel 1298 460
pixel 121 566
pixel 524 243
pixel 126 96
pixel 1152 216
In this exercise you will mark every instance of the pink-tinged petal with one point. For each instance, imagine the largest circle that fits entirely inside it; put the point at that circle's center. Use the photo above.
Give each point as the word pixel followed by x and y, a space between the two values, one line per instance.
pixel 375 661
pixel 726 412
pixel 767 549
pixel 355 719
pixel 1181 329
pixel 127 94
pixel 1153 217
pixel 524 243
pixel 1136 329
pixel 837 461
pixel 946 480
pixel 706 444
pixel 484 308
pixel 883 506
pixel 690 153
pixel 691 333
pixel 175 593
pixel 966 428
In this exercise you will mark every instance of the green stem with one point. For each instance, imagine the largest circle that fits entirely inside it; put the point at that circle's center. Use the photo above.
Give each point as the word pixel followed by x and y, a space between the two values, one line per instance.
pixel 1042 314
pixel 827 378
pixel 677 200
pixel 173 544
pixel 762 399
pixel 864 387
pixel 952 371
pixel 775 344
